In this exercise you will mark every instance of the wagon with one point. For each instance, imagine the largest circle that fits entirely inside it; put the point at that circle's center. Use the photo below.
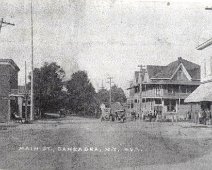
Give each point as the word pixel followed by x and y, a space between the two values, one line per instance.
pixel 120 115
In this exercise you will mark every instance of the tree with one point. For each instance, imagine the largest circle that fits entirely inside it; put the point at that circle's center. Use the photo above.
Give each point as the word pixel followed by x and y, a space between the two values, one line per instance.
pixel 117 95
pixel 82 95
pixel 103 96
pixel 48 87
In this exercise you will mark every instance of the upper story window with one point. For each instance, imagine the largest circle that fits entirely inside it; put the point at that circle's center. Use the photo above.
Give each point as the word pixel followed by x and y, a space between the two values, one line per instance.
pixel 137 89
pixel 180 74
pixel 157 90
pixel 170 89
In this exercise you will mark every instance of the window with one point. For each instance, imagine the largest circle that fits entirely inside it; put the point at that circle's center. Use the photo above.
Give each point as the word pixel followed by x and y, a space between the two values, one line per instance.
pixel 135 101
pixel 131 105
pixel 180 74
pixel 137 89
pixel 157 90
pixel 170 90
pixel 183 89
pixel 182 101
pixel 158 101
pixel 171 105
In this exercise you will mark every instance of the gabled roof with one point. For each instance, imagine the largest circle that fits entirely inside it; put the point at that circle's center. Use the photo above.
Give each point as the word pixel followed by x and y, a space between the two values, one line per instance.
pixel 204 45
pixel 166 72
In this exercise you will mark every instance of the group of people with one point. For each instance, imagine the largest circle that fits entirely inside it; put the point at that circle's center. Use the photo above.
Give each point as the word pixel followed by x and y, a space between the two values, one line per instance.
pixel 150 115
pixel 202 117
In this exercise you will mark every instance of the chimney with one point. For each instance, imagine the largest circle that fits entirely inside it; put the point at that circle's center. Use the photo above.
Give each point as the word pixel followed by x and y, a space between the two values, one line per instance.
pixel 179 59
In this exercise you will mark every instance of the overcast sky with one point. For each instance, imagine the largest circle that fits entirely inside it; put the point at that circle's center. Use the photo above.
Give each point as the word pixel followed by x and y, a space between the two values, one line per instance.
pixel 105 37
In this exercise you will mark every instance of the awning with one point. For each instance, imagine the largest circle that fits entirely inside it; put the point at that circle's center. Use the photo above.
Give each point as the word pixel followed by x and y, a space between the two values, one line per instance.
pixel 201 94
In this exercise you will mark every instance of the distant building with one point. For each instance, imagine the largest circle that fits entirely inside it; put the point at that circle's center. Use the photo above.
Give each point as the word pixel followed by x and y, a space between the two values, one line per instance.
pixel 11 100
pixel 164 88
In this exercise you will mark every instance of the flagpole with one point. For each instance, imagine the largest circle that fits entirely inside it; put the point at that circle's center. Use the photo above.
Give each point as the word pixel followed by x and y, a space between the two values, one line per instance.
pixel 32 68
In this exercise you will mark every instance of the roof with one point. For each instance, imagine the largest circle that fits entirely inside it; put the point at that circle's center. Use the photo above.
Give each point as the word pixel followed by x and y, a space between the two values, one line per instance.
pixel 166 72
pixel 201 94
pixel 204 45
pixel 11 62
pixel 197 83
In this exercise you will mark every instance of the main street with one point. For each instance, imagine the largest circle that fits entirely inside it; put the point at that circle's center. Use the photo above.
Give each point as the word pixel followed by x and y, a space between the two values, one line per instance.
pixel 83 143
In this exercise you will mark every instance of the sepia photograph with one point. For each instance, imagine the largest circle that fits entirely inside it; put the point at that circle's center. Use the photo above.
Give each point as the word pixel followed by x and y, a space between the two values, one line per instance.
pixel 105 85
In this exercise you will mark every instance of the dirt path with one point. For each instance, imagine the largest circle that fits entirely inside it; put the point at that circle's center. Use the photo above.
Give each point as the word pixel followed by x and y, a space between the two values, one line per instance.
pixel 106 145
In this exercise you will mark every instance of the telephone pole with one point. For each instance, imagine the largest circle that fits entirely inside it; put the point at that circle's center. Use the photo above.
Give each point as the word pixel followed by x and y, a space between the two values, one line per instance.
pixel 102 86
pixel 4 23
pixel 140 87
pixel 32 68
pixel 26 93
pixel 110 82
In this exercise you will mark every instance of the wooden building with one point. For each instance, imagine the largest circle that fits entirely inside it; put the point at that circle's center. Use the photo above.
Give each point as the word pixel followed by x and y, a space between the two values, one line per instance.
pixel 203 94
pixel 164 88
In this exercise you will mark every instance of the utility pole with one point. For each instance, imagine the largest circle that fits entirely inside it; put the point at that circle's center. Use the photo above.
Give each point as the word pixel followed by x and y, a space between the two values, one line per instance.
pixel 26 93
pixel 32 68
pixel 110 82
pixel 140 87
pixel 3 23
pixel 102 86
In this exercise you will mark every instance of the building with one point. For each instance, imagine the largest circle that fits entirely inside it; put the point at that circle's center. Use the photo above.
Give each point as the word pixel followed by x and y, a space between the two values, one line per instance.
pixel 11 101
pixel 203 94
pixel 164 88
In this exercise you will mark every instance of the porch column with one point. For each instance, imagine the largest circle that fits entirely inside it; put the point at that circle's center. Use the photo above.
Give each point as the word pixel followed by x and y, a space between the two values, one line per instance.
pixel 177 105
pixel 162 102
pixel 9 110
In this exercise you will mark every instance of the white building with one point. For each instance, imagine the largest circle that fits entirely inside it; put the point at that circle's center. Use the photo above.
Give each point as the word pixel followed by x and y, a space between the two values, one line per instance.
pixel 203 94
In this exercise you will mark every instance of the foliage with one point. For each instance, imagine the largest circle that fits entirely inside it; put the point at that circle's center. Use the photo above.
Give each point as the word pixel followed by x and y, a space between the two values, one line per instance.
pixel 48 95
pixel 117 95
pixel 82 96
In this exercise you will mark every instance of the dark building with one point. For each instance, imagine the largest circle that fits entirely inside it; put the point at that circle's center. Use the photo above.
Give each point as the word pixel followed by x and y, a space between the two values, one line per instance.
pixel 164 88
pixel 8 83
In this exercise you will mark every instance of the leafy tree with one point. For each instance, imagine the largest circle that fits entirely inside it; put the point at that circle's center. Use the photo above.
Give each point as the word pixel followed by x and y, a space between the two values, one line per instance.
pixel 103 96
pixel 48 86
pixel 117 95
pixel 82 95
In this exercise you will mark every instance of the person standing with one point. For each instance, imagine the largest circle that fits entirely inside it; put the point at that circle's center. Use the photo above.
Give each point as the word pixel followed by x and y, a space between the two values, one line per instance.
pixel 204 117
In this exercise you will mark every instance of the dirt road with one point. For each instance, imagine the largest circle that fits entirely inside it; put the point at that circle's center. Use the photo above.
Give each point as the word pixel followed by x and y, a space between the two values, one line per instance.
pixel 80 143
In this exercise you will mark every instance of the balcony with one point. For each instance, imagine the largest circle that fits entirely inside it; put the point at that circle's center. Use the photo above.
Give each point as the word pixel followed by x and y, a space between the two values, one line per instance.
pixel 164 94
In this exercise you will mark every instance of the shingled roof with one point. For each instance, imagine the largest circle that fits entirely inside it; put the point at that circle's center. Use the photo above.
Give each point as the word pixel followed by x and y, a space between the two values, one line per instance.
pixel 166 72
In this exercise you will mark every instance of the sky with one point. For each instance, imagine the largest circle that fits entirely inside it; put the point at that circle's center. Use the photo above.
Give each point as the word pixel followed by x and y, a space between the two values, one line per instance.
pixel 104 37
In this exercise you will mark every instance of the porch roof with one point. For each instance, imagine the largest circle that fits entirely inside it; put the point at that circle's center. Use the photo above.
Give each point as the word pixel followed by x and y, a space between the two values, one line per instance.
pixel 201 94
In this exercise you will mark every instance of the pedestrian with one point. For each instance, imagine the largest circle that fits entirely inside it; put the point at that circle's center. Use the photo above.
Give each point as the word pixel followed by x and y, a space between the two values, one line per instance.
pixel 150 116
pixel 196 117
pixel 204 117
pixel 199 117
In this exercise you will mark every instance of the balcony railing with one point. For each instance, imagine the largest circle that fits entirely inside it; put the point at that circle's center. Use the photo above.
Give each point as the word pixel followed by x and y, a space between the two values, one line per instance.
pixel 164 94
